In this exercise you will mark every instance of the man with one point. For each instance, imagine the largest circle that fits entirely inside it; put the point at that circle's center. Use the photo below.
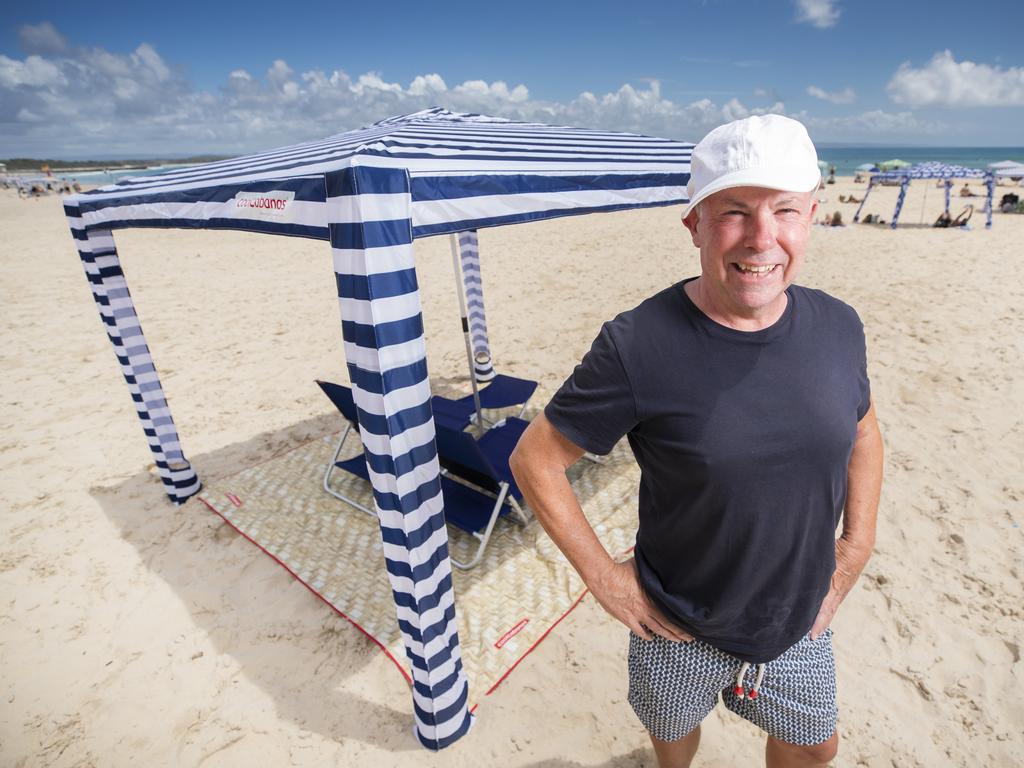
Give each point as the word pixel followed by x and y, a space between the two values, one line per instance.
pixel 746 402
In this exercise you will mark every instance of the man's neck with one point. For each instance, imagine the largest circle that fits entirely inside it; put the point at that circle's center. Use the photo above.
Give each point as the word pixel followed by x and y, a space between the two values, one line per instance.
pixel 756 320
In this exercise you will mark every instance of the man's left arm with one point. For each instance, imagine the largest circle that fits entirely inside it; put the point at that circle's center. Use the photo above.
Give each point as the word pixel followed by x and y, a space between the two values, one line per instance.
pixel 854 546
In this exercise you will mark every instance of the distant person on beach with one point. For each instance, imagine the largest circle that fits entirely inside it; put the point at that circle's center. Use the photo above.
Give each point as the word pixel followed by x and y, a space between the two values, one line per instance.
pixel 965 191
pixel 745 400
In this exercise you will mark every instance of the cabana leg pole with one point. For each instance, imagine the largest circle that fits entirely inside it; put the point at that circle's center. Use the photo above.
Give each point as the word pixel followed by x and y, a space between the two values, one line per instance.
pixel 990 184
pixel 899 202
pixel 472 283
pixel 110 291
pixel 453 239
pixel 856 216
pixel 369 215
pixel 948 185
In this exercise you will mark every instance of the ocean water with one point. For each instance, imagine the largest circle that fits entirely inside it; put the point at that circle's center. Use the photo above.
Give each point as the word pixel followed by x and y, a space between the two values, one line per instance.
pixel 109 177
pixel 846 158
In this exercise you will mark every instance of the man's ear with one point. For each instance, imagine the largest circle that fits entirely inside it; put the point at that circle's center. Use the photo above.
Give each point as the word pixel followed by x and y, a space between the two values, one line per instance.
pixel 814 208
pixel 690 222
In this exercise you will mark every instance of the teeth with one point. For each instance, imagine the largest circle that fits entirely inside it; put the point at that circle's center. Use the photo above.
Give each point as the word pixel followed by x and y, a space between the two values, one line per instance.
pixel 760 270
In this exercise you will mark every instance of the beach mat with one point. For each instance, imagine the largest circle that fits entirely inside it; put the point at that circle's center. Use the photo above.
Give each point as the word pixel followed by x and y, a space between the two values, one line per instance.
pixel 506 605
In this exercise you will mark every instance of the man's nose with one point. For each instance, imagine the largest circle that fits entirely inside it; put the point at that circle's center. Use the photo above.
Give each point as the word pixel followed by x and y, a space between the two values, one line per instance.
pixel 760 231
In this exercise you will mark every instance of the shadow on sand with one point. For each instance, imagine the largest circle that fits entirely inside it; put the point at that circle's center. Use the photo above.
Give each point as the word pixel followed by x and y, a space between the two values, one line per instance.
pixel 251 609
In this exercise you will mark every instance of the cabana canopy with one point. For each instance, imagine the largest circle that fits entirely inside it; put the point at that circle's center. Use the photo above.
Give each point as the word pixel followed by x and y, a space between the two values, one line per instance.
pixel 371 192
pixel 930 170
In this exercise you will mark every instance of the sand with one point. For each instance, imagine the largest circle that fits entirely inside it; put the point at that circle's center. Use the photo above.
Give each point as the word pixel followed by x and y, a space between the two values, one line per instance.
pixel 134 633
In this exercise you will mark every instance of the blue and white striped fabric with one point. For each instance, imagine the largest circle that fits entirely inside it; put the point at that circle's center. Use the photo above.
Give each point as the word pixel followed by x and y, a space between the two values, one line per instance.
pixel 370 193
pixel 473 290
pixel 465 171
pixel 371 238
pixel 110 291
pixel 930 170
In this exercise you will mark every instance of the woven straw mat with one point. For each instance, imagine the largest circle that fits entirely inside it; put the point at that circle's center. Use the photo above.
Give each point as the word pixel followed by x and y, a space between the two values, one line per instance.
pixel 505 605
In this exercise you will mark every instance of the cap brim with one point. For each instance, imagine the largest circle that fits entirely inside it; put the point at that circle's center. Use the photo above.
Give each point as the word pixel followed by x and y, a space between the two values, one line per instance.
pixel 782 179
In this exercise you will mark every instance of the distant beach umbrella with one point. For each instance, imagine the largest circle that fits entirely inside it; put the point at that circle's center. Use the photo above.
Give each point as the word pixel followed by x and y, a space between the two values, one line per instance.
pixel 867 167
pixel 890 165
pixel 1005 164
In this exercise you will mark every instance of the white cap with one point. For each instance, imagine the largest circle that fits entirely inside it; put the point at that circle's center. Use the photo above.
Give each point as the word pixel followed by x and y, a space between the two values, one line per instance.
pixel 763 151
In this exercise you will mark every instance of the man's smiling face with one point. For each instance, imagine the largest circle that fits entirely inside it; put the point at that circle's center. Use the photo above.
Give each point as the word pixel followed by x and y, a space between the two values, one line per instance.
pixel 752 243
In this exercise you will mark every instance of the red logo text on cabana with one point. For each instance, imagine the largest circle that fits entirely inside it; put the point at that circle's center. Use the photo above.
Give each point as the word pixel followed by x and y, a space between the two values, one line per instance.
pixel 263 202
pixel 272 206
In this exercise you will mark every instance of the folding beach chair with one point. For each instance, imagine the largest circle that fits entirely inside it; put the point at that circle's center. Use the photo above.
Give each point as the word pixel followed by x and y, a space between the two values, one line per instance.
pixel 484 464
pixel 503 392
pixel 342 398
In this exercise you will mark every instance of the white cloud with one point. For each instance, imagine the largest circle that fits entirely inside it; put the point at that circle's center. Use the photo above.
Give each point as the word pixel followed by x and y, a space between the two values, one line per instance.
pixel 845 96
pixel 873 125
pixel 33 72
pixel 279 73
pixel 819 13
pixel 426 84
pixel 41 38
pixel 946 82
pixel 89 101
pixel 146 56
pixel 27 116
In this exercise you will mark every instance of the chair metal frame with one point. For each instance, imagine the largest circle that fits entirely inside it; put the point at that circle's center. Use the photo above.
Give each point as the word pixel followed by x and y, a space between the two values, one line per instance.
pixel 484 536
pixel 333 466
pixel 468 481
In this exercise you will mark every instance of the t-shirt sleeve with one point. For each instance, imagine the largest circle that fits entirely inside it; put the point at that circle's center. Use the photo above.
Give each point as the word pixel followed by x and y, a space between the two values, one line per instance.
pixel 595 406
pixel 863 383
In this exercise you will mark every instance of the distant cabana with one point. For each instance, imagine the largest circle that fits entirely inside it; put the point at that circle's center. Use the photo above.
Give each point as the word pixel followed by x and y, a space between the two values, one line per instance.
pixel 930 170
pixel 370 193
pixel 1011 171
pixel 1005 164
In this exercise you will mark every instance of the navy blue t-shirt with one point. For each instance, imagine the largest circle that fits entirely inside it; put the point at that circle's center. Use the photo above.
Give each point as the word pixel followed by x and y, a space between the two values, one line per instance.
pixel 743 441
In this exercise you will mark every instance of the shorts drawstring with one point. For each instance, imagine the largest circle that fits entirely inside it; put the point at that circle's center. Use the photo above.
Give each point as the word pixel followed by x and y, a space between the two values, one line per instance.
pixel 753 692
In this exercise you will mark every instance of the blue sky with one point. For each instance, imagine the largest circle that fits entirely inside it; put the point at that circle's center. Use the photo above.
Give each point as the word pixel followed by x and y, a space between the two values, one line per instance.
pixel 179 77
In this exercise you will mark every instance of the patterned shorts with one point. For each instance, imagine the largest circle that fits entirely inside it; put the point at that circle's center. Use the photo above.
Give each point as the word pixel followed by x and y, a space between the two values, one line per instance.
pixel 673 686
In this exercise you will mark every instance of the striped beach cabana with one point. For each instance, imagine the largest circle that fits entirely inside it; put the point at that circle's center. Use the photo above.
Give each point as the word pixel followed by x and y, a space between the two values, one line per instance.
pixel 370 193
pixel 930 170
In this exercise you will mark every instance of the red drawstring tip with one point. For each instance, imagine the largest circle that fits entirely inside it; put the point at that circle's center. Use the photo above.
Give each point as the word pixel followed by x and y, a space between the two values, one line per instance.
pixel 751 694
pixel 738 690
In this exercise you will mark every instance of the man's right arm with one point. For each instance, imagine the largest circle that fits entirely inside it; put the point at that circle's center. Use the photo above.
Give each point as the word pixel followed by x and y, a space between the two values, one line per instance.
pixel 539 463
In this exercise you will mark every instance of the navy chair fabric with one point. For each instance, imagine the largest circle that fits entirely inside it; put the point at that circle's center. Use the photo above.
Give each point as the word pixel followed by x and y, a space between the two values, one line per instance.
pixel 503 392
